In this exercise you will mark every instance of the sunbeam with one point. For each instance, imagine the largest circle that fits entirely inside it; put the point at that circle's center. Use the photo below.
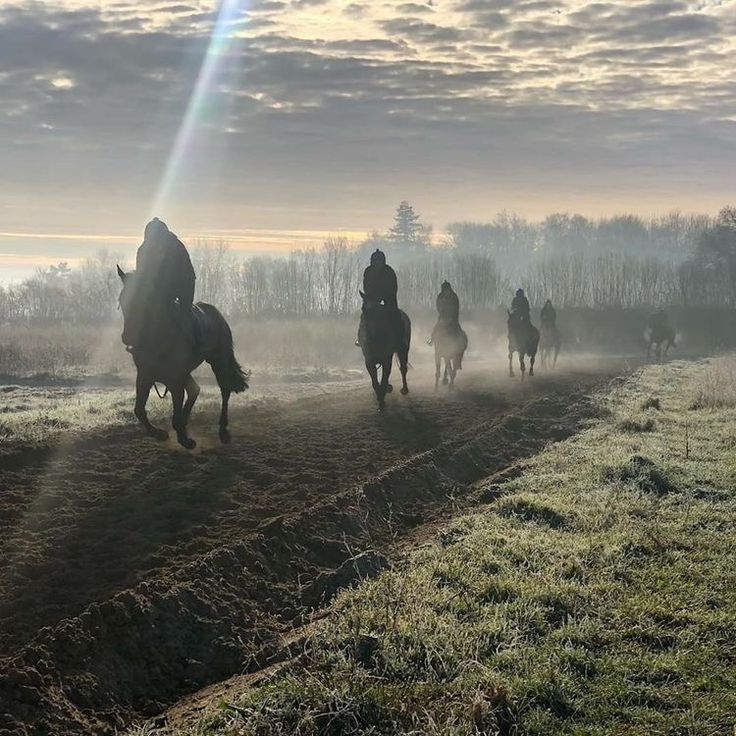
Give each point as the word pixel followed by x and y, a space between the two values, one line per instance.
pixel 200 101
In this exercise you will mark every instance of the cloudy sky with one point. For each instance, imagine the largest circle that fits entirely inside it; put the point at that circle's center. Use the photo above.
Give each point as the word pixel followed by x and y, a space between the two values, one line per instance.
pixel 295 116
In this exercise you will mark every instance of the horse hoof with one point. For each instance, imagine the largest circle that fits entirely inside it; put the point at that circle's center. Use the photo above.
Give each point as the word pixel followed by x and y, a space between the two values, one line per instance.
pixel 531 372
pixel 404 391
pixel 225 437
pixel 187 443
pixel 445 381
pixel 389 389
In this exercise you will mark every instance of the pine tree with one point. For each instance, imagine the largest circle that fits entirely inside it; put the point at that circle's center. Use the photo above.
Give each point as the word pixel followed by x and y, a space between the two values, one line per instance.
pixel 407 229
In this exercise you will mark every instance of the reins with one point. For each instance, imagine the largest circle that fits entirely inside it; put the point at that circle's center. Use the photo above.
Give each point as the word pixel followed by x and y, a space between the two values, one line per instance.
pixel 129 349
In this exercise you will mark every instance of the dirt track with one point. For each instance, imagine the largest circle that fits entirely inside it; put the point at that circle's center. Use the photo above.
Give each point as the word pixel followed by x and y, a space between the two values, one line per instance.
pixel 156 571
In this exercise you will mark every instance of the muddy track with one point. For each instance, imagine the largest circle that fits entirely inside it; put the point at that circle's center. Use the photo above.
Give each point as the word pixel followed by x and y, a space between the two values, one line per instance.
pixel 138 573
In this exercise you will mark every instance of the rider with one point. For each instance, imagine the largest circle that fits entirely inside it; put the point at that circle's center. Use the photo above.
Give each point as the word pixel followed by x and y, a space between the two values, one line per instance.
pixel 448 312
pixel 520 306
pixel 163 262
pixel 658 320
pixel 381 286
pixel 548 315
pixel 448 305
pixel 379 281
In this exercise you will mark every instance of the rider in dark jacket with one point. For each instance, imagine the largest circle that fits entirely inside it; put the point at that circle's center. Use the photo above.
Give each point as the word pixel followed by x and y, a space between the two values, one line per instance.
pixel 658 320
pixel 549 316
pixel 520 306
pixel 379 281
pixel 381 286
pixel 163 263
pixel 448 305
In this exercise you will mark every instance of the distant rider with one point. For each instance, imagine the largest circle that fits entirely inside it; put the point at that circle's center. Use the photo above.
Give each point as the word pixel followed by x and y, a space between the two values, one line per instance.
pixel 163 263
pixel 520 306
pixel 548 315
pixel 658 321
pixel 448 319
pixel 448 305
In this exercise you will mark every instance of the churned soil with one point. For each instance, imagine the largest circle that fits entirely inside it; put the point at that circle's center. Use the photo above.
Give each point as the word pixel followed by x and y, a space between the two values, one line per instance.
pixel 134 572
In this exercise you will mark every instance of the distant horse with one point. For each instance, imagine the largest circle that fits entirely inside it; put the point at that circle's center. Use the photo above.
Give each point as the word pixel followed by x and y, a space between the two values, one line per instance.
pixel 381 338
pixel 450 343
pixel 164 353
pixel 662 339
pixel 549 345
pixel 524 340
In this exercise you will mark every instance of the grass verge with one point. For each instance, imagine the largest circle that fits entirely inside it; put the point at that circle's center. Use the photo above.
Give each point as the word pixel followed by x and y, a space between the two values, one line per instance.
pixel 597 595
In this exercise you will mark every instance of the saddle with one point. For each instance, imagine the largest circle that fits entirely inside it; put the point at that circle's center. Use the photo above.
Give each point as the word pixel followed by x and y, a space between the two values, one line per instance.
pixel 192 323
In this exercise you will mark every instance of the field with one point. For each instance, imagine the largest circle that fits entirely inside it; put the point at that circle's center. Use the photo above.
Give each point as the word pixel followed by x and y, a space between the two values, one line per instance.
pixel 521 581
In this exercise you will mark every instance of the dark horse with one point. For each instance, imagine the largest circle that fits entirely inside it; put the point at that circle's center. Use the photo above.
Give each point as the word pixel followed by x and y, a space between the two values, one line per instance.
pixel 450 343
pixel 524 340
pixel 662 339
pixel 381 338
pixel 164 353
pixel 549 345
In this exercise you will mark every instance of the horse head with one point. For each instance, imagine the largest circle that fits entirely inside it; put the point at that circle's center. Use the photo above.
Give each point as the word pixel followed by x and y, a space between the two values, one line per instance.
pixel 369 304
pixel 133 313
pixel 142 307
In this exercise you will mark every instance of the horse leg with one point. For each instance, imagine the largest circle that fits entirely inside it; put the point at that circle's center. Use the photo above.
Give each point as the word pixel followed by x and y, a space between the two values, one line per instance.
pixel 386 386
pixel 511 363
pixel 373 373
pixel 444 378
pixel 437 368
pixel 224 433
pixel 178 420
pixel 192 389
pixel 649 350
pixel 522 365
pixel 453 373
pixel 143 387
pixel 532 358
pixel 404 367
pixel 557 353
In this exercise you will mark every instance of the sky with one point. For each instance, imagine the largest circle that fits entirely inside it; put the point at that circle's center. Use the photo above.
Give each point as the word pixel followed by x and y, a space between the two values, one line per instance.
pixel 269 123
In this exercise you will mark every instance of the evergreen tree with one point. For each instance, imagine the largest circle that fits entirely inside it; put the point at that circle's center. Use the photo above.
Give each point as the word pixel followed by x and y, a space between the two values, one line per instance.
pixel 407 229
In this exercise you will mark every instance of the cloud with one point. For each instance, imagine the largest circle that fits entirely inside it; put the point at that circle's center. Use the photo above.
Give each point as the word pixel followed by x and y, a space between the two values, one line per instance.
pixel 371 100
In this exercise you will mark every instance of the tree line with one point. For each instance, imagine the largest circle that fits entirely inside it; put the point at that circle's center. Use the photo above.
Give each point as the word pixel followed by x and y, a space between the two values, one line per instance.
pixel 624 261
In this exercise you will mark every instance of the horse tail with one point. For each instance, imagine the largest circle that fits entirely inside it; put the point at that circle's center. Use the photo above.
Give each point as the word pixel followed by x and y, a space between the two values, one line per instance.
pixel 229 373
pixel 236 377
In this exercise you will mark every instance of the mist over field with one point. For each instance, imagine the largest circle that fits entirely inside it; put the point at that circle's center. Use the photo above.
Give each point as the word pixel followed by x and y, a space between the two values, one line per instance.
pixel 299 310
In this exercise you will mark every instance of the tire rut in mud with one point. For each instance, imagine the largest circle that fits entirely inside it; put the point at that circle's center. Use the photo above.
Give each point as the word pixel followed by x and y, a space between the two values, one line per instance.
pixel 226 612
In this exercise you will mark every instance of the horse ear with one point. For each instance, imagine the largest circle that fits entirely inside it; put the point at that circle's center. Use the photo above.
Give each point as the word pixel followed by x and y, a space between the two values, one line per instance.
pixel 121 274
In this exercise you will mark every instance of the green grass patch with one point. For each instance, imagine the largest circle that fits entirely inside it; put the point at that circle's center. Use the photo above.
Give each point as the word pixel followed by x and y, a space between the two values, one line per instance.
pixel 596 596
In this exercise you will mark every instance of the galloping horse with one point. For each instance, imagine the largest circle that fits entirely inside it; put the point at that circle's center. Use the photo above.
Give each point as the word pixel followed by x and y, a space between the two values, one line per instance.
pixel 164 353
pixel 549 345
pixel 524 340
pixel 450 342
pixel 661 337
pixel 380 339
